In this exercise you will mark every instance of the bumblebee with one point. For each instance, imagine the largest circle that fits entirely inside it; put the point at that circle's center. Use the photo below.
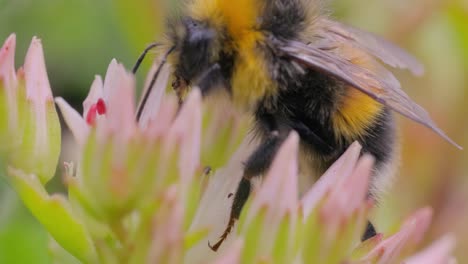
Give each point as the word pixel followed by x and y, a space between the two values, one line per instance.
pixel 291 67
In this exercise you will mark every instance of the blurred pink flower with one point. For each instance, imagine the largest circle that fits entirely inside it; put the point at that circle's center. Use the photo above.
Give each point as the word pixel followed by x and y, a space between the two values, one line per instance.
pixel 440 252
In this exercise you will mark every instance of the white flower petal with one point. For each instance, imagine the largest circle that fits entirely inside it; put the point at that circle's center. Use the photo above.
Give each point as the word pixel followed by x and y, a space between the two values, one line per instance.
pixel 75 122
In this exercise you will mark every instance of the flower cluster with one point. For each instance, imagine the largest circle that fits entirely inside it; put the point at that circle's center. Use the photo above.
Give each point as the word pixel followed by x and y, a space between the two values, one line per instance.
pixel 139 192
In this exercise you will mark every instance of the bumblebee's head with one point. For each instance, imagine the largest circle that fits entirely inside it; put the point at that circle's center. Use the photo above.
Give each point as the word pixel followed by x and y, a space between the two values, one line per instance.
pixel 196 48
pixel 208 36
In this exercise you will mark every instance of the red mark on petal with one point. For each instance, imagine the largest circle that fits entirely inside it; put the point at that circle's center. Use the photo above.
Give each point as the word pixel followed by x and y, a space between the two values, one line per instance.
pixel 101 107
pixel 91 116
pixel 98 108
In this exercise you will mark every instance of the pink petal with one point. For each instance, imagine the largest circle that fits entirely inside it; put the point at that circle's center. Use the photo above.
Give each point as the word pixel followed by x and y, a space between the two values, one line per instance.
pixel 357 185
pixel 389 249
pixel 38 91
pixel 440 252
pixel 422 218
pixel 349 194
pixel 233 254
pixel 279 190
pixel 75 122
pixel 7 63
pixel 187 130
pixel 153 102
pixel 412 230
pixel 167 233
pixel 95 93
pixel 8 77
pixel 37 83
pixel 165 118
pixel 342 168
pixel 119 88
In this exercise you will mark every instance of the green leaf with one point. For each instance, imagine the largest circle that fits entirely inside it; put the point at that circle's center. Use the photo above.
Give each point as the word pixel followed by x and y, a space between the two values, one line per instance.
pixel 55 214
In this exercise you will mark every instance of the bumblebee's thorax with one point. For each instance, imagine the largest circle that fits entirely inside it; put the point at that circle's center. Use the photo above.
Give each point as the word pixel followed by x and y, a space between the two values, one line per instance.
pixel 251 80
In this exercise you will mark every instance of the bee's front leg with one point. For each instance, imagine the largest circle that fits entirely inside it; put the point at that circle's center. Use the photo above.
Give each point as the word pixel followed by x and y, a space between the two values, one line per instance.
pixel 210 80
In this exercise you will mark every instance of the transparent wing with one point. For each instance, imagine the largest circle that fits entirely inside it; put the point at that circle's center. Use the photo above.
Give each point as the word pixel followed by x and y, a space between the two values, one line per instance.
pixel 378 84
pixel 372 44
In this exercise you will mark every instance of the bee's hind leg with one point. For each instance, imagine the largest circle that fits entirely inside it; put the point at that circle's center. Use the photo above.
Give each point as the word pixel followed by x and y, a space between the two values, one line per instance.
pixel 256 165
pixel 370 232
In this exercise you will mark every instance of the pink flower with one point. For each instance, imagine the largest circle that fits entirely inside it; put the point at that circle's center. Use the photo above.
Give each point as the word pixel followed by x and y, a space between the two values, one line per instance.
pixel 8 79
pixel 440 252
pixel 32 122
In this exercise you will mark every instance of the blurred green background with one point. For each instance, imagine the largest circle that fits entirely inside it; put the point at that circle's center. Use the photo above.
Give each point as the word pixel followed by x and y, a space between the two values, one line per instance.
pixel 80 37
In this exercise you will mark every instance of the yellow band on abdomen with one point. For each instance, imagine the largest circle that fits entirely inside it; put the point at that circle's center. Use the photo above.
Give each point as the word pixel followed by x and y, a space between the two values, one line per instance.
pixel 356 114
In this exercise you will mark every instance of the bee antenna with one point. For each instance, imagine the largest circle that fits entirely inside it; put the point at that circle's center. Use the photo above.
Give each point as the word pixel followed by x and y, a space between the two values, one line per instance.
pixel 153 81
pixel 143 55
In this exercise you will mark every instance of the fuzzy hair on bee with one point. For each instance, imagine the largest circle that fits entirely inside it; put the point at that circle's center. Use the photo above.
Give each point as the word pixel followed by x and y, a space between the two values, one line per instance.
pixel 291 67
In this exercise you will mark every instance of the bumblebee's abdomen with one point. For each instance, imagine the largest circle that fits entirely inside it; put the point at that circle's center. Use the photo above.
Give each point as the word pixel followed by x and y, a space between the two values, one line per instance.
pixel 356 114
pixel 329 116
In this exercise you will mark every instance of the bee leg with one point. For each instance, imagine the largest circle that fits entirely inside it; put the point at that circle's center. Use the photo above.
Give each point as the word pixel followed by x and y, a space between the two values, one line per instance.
pixel 240 198
pixel 369 232
pixel 256 165
pixel 211 79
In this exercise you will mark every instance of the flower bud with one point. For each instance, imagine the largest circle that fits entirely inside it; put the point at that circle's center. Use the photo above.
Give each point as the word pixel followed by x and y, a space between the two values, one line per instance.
pixel 38 132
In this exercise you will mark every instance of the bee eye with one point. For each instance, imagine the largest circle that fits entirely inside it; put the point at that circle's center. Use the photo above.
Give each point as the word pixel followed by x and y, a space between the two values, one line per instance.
pixel 192 24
